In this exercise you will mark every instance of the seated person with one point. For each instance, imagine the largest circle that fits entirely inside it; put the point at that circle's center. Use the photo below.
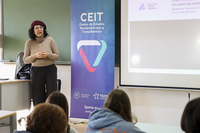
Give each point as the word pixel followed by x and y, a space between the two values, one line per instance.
pixel 60 100
pixel 115 117
pixel 190 120
pixel 46 118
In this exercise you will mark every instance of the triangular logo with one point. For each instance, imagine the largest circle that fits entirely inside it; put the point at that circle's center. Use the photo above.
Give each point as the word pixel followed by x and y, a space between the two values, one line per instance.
pixel 142 7
pixel 99 56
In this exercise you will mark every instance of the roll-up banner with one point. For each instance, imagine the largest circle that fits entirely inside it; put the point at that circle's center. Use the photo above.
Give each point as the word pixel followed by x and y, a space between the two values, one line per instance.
pixel 92 54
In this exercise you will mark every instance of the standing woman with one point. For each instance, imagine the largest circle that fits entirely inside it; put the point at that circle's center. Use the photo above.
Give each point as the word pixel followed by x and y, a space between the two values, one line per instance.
pixel 41 51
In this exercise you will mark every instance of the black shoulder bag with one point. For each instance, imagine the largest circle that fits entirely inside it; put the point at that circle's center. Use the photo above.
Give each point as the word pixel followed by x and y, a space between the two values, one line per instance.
pixel 24 72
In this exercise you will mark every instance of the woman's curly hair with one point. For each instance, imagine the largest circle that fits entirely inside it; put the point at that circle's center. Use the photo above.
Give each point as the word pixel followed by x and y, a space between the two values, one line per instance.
pixel 32 35
pixel 46 118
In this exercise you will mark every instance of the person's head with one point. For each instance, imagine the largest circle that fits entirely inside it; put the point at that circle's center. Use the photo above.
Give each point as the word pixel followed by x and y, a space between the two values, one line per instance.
pixel 38 29
pixel 118 101
pixel 190 120
pixel 46 118
pixel 60 100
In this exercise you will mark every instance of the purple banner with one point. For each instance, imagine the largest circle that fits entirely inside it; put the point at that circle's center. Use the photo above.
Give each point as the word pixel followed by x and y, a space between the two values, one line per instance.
pixel 92 54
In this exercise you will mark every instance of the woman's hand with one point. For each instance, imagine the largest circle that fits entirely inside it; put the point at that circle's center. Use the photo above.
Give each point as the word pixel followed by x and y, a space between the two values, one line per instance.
pixel 40 55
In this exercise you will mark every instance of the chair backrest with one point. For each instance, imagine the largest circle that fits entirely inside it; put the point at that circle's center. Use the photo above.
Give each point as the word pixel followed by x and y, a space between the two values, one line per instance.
pixel 19 62
pixel 58 84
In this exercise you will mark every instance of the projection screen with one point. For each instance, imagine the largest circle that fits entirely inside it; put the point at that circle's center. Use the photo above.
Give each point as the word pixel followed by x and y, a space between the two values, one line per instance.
pixel 160 43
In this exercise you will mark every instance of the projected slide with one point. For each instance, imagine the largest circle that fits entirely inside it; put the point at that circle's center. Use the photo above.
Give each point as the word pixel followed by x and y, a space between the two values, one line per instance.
pixel 163 43
pixel 163 10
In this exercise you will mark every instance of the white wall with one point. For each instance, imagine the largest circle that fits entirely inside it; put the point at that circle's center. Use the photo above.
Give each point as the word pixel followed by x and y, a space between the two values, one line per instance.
pixel 149 105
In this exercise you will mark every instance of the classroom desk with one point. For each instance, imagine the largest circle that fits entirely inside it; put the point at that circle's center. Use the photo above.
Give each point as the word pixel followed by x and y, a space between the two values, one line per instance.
pixel 157 128
pixel 15 94
pixel 7 121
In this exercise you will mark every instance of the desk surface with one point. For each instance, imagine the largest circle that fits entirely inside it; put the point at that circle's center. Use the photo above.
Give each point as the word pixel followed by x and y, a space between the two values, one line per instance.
pixel 13 81
pixel 157 128
pixel 4 113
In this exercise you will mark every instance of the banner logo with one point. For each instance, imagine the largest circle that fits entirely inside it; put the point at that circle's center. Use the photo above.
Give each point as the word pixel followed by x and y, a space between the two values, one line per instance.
pixel 96 96
pixel 76 95
pixel 142 7
pixel 99 56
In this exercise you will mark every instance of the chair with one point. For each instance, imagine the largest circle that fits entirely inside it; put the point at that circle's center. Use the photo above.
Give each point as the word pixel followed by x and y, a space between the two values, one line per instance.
pixel 19 62
pixel 58 85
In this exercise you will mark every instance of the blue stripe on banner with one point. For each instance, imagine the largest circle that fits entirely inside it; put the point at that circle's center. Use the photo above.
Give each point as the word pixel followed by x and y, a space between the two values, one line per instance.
pixel 92 54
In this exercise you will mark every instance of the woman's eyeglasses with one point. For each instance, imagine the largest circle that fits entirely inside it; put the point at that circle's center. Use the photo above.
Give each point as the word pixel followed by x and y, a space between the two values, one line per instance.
pixel 37 28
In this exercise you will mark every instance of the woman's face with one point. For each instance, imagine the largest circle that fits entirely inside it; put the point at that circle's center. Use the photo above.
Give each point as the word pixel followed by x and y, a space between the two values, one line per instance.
pixel 38 30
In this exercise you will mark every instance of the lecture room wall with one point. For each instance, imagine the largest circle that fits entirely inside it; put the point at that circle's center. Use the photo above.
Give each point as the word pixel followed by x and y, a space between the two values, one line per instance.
pixel 18 15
